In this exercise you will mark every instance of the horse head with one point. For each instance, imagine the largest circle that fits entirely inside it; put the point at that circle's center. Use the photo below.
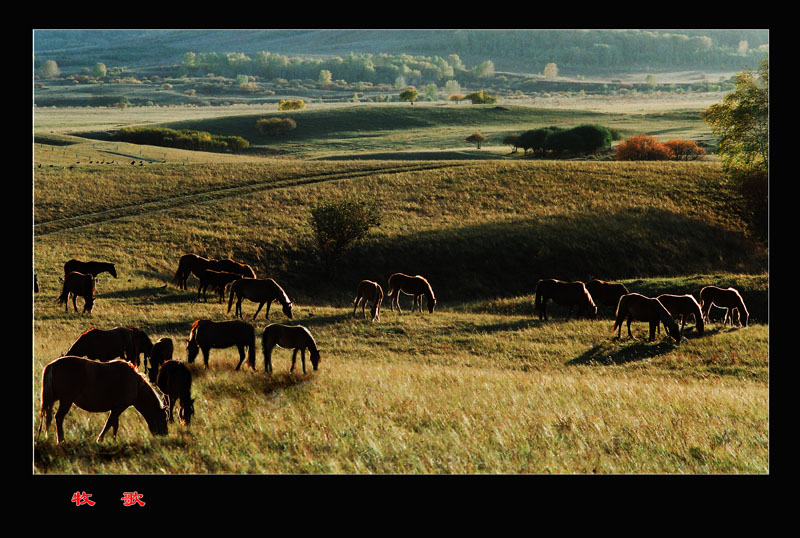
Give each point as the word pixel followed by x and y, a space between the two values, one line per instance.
pixel 287 309
pixel 191 350
pixel 87 307
pixel 185 413
pixel 315 358
pixel 431 305
pixel 112 270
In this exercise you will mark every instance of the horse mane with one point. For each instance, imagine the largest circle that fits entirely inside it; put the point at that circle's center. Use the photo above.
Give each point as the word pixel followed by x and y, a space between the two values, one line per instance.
pixel 427 284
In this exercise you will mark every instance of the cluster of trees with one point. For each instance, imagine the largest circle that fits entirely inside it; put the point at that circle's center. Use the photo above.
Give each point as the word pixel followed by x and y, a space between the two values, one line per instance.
pixel 583 139
pixel 182 139
pixel 276 126
pixel 395 69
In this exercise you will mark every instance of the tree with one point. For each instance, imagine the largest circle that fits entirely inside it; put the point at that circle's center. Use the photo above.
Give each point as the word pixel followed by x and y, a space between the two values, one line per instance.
pixel 337 225
pixel 99 70
pixel 512 140
pixel 49 69
pixel 409 94
pixel 481 98
pixel 741 123
pixel 325 77
pixel 476 138
pixel 685 150
pixel 550 71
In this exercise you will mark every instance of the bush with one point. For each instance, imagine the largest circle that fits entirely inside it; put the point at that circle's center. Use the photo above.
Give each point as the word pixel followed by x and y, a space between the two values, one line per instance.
pixel 337 225
pixel 481 98
pixel 297 104
pixel 643 148
pixel 685 150
pixel 276 126
pixel 183 139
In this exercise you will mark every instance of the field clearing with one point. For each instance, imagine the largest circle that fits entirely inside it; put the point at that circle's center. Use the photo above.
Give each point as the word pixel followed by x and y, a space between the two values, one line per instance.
pixel 481 386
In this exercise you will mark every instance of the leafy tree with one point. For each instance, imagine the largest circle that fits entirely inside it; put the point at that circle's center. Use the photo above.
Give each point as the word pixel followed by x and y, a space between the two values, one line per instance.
pixel 409 94
pixel 325 77
pixel 457 97
pixel 476 138
pixel 481 98
pixel 550 71
pixel 741 123
pixel 99 70
pixel 512 140
pixel 49 69
pixel 337 225
pixel 685 150
pixel 276 126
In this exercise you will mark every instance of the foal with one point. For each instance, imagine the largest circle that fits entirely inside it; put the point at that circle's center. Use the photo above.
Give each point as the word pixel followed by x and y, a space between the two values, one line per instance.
pixel 78 285
pixel 369 291
pixel 729 298
pixel 289 337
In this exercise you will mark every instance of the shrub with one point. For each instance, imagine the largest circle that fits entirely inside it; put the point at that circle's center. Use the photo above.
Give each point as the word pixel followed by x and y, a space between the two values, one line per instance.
pixel 183 139
pixel 276 126
pixel 337 225
pixel 685 150
pixel 481 98
pixel 296 104
pixel 643 148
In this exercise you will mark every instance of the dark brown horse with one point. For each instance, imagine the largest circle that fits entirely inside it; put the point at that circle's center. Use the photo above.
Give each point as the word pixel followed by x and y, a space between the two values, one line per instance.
pixel 683 306
pixel 217 280
pixel 261 292
pixel 232 266
pixel 566 294
pixel 635 306
pixel 207 334
pixel 188 264
pixel 297 338
pixel 410 285
pixel 144 346
pixel 77 285
pixel 98 387
pixel 105 345
pixel 90 268
pixel 175 381
pixel 606 293
pixel 729 298
pixel 369 291
pixel 162 352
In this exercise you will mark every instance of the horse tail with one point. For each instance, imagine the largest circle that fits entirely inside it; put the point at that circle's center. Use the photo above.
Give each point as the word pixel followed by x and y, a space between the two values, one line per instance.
pixel 177 278
pixel 251 351
pixel 48 400
pixel 134 348
pixel 622 306
pixel 234 290
pixel 64 293
pixel 537 302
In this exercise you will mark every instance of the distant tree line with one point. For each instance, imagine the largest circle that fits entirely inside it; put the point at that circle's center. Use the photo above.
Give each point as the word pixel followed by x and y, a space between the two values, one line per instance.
pixel 182 139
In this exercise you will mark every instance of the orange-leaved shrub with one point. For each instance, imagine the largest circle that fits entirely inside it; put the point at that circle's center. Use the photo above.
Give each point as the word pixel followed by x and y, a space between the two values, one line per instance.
pixel 685 150
pixel 643 148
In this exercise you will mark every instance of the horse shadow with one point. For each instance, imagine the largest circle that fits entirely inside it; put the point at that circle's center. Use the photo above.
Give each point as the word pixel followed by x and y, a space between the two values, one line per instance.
pixel 614 353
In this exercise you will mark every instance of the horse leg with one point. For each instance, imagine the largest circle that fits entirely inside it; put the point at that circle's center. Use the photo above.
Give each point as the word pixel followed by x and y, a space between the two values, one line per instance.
pixel 238 311
pixel 260 305
pixel 206 351
pixel 171 402
pixel 74 298
pixel 294 357
pixel 241 355
pixel 630 318
pixel 112 421
pixel 653 326
pixel 303 358
pixel 355 305
pixel 268 360
pixel 63 408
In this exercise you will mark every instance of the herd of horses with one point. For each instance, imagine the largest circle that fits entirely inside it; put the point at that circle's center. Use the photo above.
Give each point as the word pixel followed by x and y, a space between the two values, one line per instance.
pixel 99 372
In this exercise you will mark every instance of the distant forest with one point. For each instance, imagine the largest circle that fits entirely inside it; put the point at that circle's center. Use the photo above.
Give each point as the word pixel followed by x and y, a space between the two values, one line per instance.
pixel 372 55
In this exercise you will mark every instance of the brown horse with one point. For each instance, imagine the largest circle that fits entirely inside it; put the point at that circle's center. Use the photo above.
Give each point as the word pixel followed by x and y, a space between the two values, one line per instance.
pixel 410 285
pixel 175 381
pixel 285 336
pixel 564 293
pixel 606 293
pixel 683 306
pixel 369 291
pixel 78 285
pixel 218 280
pixel 232 266
pixel 207 334
pixel 98 387
pixel 261 292
pixel 89 268
pixel 635 306
pixel 162 352
pixel 144 346
pixel 188 264
pixel 105 345
pixel 729 298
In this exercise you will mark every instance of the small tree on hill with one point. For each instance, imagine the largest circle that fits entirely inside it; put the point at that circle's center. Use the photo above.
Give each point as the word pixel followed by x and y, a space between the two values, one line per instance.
pixel 511 140
pixel 476 138
pixel 337 225
pixel 409 94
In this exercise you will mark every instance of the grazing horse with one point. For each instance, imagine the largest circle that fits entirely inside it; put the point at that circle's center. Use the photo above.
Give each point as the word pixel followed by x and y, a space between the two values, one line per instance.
pixel 175 381
pixel 635 306
pixel 683 306
pixel 162 352
pixel 89 268
pixel 190 263
pixel 218 280
pixel 606 293
pixel 98 387
pixel 232 266
pixel 105 345
pixel 288 337
pixel 729 298
pixel 410 285
pixel 369 291
pixel 564 293
pixel 261 292
pixel 207 334
pixel 143 345
pixel 78 285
